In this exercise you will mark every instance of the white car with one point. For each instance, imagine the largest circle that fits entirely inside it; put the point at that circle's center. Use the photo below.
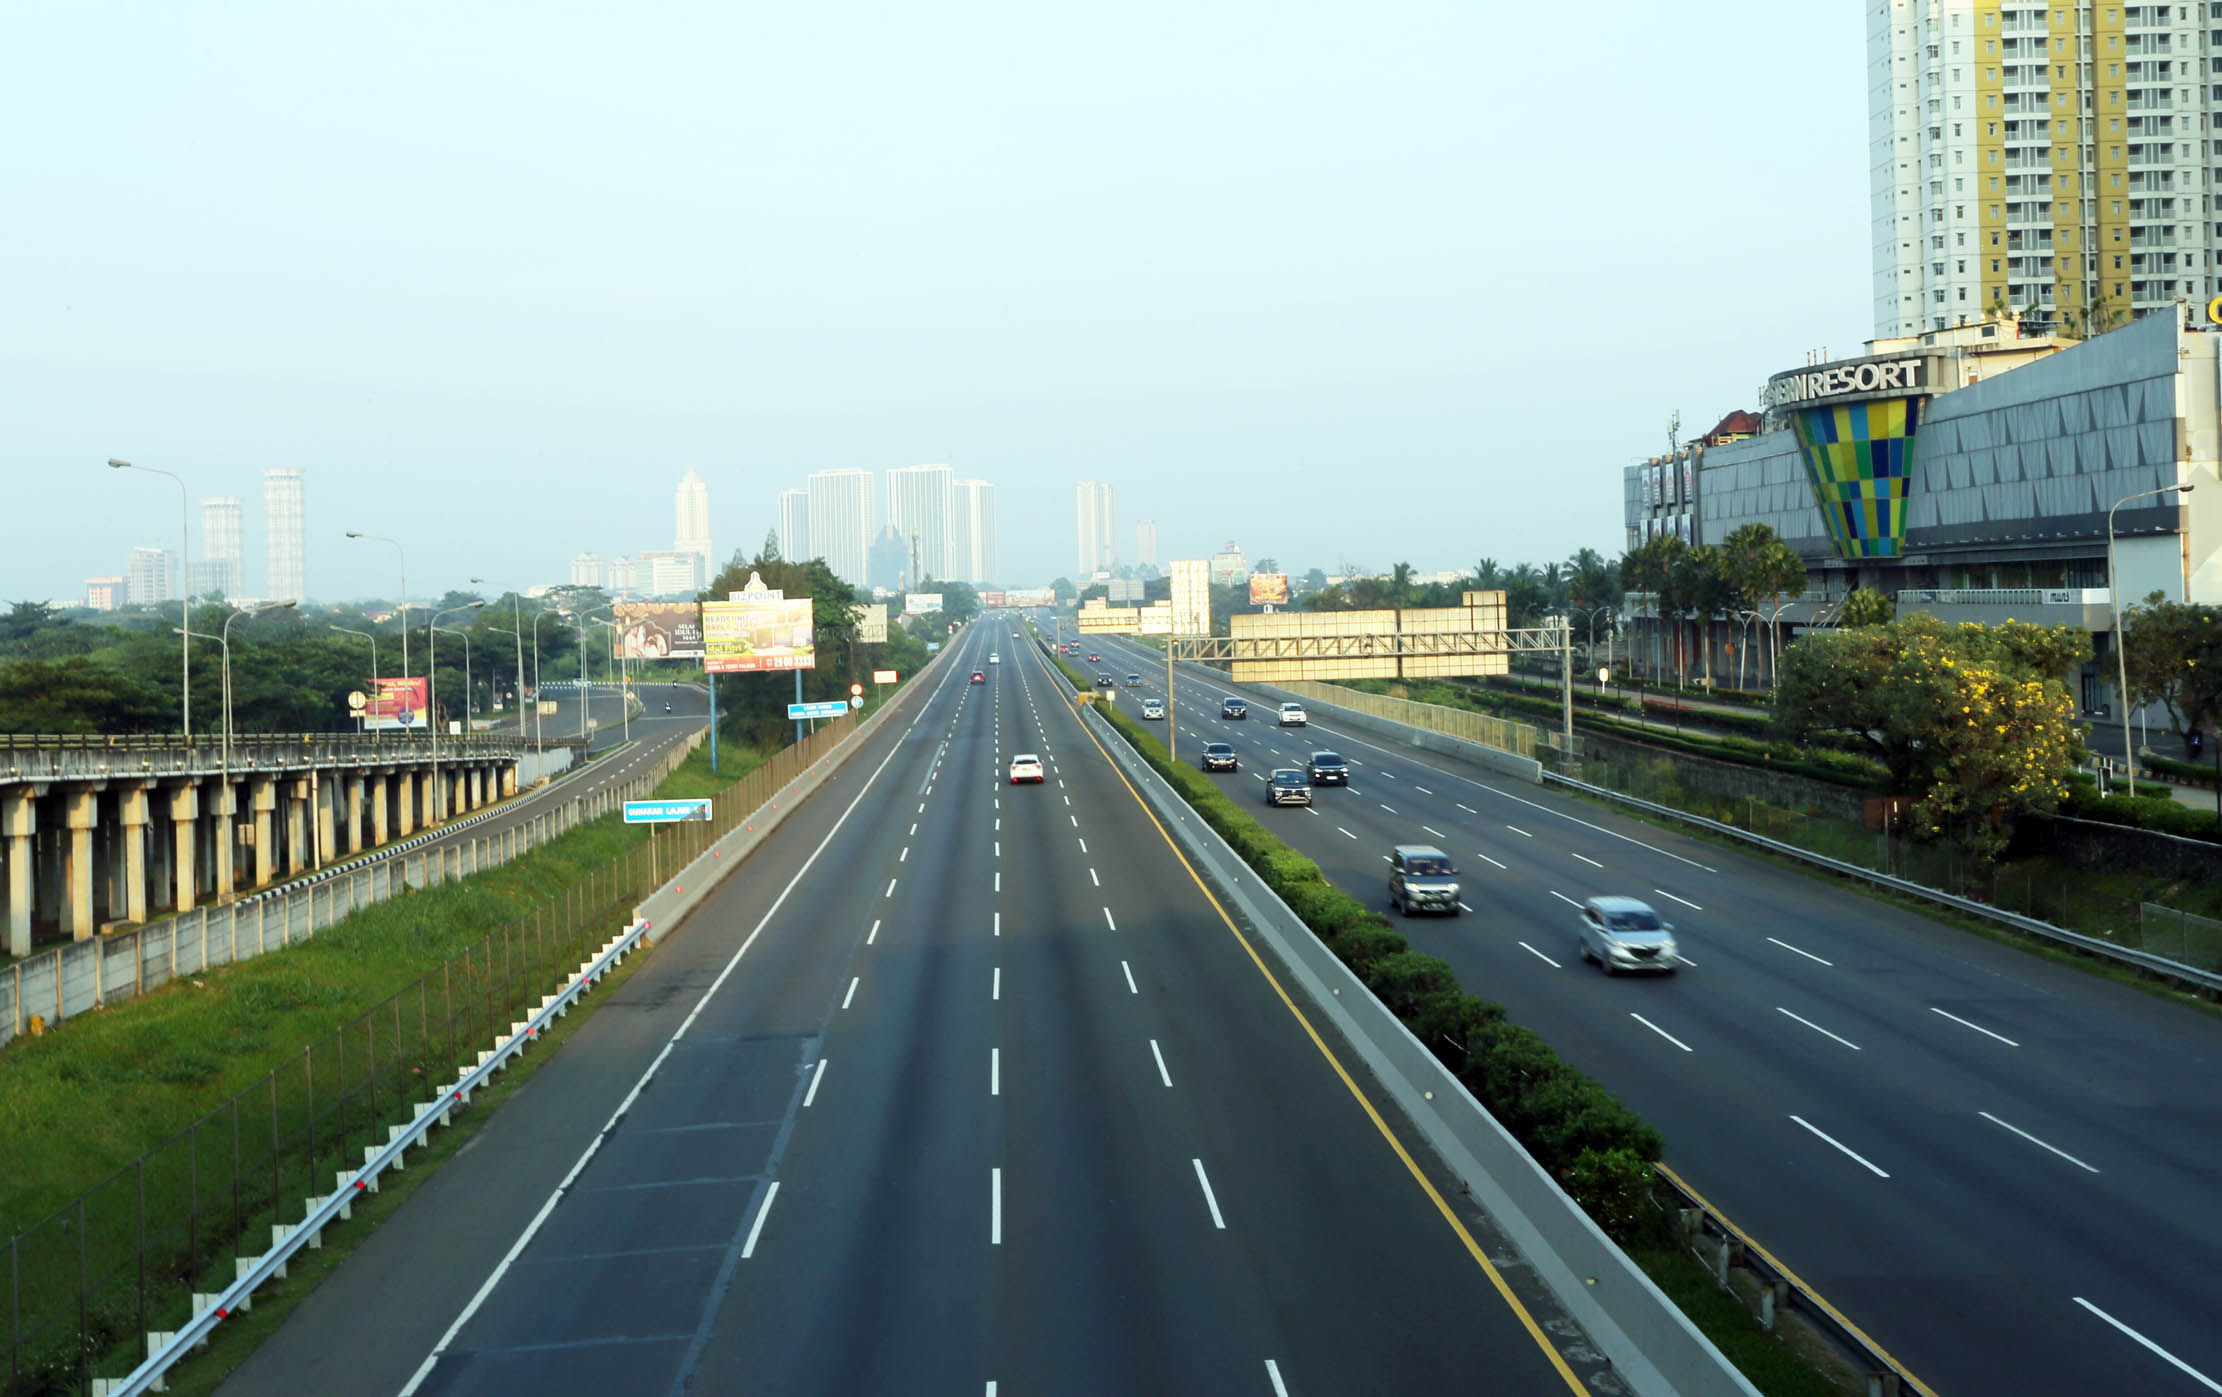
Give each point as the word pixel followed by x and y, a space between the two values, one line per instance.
pixel 994 658
pixel 1026 767
pixel 1153 708
pixel 1292 715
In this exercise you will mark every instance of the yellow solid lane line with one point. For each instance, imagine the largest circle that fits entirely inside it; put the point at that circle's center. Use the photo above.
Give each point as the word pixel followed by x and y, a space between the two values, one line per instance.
pixel 1473 1248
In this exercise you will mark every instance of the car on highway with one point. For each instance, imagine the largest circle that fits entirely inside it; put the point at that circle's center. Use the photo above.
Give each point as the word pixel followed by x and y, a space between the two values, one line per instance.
pixel 1288 786
pixel 1026 767
pixel 994 658
pixel 1133 679
pixel 1103 681
pixel 1292 715
pixel 1328 769
pixel 1153 708
pixel 1233 708
pixel 1623 933
pixel 1421 879
pixel 1094 658
pixel 1219 756
pixel 978 677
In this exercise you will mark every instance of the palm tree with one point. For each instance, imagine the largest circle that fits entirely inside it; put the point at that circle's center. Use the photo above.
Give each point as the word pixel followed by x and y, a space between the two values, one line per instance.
pixel 1487 575
pixel 1400 584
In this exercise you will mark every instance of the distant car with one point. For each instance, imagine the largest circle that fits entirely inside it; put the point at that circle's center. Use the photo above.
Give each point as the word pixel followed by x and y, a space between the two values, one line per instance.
pixel 994 657
pixel 978 677
pixel 667 708
pixel 1421 879
pixel 1622 933
pixel 1094 658
pixel 1292 716
pixel 1328 769
pixel 1026 767
pixel 1153 708
pixel 1219 756
pixel 1233 708
pixel 1103 681
pixel 1133 679
pixel 1287 786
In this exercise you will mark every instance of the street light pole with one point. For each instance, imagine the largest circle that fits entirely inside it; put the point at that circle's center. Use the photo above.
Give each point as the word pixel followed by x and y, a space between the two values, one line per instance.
pixel 373 639
pixel 466 673
pixel 397 548
pixel 432 696
pixel 2121 649
pixel 223 640
pixel 185 587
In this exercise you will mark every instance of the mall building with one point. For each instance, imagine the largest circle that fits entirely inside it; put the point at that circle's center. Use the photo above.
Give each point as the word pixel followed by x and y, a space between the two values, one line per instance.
pixel 1967 472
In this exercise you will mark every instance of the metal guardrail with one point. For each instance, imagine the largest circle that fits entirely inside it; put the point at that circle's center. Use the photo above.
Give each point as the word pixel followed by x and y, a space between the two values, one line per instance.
pixel 167 1347
pixel 1725 1247
pixel 2091 945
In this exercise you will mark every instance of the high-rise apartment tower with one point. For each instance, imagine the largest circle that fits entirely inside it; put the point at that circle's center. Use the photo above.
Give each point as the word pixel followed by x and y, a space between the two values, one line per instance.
pixel 921 509
pixel 221 569
pixel 794 525
pixel 974 530
pixel 841 521
pixel 1145 544
pixel 2044 161
pixel 285 526
pixel 1097 529
pixel 691 529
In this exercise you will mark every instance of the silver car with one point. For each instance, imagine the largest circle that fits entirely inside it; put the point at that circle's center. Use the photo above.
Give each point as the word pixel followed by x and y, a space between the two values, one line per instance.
pixel 1421 879
pixel 1621 933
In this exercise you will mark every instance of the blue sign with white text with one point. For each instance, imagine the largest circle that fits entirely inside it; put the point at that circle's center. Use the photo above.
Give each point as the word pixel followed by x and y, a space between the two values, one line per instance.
pixel 832 708
pixel 656 812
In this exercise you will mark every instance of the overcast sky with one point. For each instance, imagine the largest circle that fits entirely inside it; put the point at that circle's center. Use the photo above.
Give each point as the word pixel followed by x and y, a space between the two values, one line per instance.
pixel 1367 283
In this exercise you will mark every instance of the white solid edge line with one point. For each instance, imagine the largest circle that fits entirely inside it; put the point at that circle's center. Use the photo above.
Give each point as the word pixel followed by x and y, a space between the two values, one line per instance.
pixel 1540 956
pixel 1817 1028
pixel 532 1228
pixel 2193 1373
pixel 995 1207
pixel 815 1077
pixel 1130 986
pixel 1661 1032
pixel 2037 1142
pixel 756 1228
pixel 1210 1201
pixel 1683 900
pixel 1272 1371
pixel 1795 951
pixel 1840 1145
pixel 1976 1026
pixel 1162 1075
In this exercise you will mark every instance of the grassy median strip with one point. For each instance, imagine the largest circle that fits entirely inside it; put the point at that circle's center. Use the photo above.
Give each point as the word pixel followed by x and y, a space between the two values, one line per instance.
pixel 1597 1149
pixel 150 1143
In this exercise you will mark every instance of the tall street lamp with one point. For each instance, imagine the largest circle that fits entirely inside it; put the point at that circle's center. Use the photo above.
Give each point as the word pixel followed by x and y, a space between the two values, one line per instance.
pixel 185 590
pixel 404 554
pixel 432 696
pixel 369 636
pixel 223 640
pixel 2121 650
pixel 517 614
pixel 451 630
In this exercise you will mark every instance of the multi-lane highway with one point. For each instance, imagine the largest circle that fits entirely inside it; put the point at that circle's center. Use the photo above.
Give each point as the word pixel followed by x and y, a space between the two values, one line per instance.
pixel 953 1087
pixel 2002 1168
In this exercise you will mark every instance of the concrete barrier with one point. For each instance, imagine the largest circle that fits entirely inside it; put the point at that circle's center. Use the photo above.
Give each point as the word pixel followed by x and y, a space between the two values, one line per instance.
pixel 1650 1342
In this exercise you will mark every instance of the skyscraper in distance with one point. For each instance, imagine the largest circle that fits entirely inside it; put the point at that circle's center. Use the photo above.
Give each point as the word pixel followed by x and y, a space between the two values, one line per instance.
pixel 222 567
pixel 921 507
pixel 794 526
pixel 974 531
pixel 285 527
pixel 586 570
pixel 1145 544
pixel 148 581
pixel 691 529
pixel 1097 528
pixel 841 521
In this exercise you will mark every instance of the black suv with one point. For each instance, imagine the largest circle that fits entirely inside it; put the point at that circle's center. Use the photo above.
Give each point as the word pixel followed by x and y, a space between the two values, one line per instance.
pixel 1233 708
pixel 1218 756
pixel 1329 769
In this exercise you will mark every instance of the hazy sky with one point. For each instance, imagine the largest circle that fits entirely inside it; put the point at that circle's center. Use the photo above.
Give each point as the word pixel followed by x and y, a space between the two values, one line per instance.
pixel 1377 283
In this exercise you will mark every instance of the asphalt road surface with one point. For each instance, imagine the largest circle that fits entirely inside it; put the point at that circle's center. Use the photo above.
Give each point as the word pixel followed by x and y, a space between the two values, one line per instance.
pixel 954 1087
pixel 2003 1169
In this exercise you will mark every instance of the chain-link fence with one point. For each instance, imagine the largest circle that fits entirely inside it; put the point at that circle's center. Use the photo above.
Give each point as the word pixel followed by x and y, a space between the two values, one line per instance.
pixel 86 1284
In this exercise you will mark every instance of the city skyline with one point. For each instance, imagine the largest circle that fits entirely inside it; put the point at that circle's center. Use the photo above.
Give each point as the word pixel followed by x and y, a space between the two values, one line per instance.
pixel 1096 524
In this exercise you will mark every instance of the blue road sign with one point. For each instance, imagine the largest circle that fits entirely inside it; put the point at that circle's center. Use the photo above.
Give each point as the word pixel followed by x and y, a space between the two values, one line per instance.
pixel 831 708
pixel 656 812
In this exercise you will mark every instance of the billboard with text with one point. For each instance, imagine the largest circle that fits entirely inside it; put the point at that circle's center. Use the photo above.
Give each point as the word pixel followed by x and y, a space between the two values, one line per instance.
pixel 870 620
pixel 1269 589
pixel 1030 596
pixel 396 703
pixel 658 630
pixel 921 603
pixel 757 632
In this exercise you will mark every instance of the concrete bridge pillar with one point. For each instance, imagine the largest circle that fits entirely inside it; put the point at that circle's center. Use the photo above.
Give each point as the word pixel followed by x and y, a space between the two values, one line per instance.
pixel 352 796
pixel 435 805
pixel 131 822
pixel 478 787
pixel 224 837
pixel 379 782
pixel 263 791
pixel 405 804
pixel 81 810
pixel 508 781
pixel 325 795
pixel 296 794
pixel 185 814
pixel 18 822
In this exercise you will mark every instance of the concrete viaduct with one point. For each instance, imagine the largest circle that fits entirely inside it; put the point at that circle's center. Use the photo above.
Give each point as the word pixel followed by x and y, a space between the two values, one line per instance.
pixel 102 832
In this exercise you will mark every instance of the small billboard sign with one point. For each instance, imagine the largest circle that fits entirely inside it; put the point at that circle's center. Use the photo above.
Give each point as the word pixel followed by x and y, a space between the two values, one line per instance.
pixel 660 812
pixel 831 708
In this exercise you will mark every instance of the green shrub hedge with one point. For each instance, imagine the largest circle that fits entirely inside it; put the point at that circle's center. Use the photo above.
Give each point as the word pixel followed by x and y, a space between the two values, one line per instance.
pixel 2183 773
pixel 2163 813
pixel 1596 1148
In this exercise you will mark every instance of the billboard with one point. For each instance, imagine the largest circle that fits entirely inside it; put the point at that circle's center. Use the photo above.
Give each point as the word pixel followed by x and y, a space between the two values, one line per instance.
pixel 1124 589
pixel 658 630
pixel 1157 618
pixel 1097 619
pixel 757 631
pixel 1191 598
pixel 921 603
pixel 1269 589
pixel 870 620
pixel 1030 596
pixel 995 598
pixel 396 703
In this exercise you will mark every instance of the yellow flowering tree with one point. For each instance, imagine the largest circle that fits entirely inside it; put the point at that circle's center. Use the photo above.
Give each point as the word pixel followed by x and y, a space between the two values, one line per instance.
pixel 1974 722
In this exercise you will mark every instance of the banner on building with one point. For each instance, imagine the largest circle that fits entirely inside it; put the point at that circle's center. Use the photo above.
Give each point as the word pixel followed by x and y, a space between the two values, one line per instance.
pixel 397 703
pixel 757 631
pixel 658 630
pixel 1269 589
pixel 921 603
